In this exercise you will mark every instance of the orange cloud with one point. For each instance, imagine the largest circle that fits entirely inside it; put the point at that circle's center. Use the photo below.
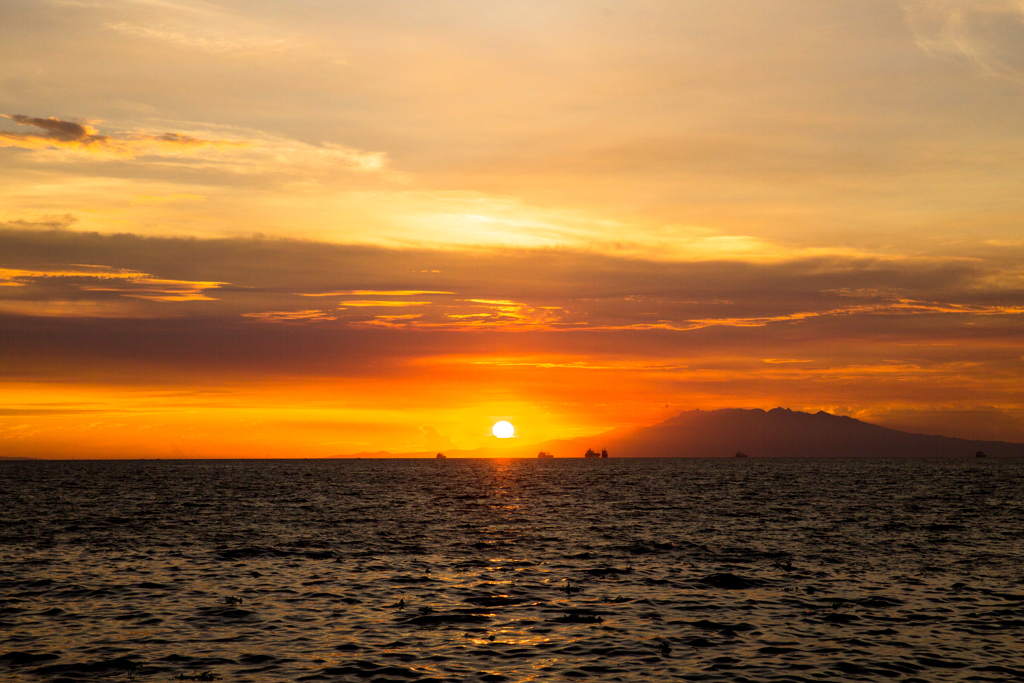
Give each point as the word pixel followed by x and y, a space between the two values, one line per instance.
pixel 311 315
pixel 376 292
pixel 467 316
pixel 986 33
pixel 59 134
pixel 257 155
pixel 380 304
pixel 123 282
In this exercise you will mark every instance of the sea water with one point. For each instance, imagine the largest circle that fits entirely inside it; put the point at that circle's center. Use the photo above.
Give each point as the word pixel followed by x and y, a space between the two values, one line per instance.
pixel 513 570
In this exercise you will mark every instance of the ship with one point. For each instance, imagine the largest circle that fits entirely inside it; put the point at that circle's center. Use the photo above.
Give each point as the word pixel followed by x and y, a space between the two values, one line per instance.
pixel 980 454
pixel 591 453
pixel 741 454
pixel 545 456
pixel 442 456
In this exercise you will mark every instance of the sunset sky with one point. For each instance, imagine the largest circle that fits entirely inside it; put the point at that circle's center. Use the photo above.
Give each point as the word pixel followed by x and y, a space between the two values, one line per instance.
pixel 303 229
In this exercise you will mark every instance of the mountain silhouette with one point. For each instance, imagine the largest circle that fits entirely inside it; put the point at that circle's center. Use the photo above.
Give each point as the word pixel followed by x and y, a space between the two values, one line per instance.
pixel 779 432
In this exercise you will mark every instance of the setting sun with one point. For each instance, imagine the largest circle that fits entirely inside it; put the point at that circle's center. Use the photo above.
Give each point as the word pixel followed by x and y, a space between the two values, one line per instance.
pixel 503 430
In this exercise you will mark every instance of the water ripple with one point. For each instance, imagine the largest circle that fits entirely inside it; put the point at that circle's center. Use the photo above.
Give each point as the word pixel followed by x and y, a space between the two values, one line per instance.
pixel 789 570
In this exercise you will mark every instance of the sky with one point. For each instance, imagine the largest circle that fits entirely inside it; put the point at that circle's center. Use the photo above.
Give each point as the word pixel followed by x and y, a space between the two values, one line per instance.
pixel 310 228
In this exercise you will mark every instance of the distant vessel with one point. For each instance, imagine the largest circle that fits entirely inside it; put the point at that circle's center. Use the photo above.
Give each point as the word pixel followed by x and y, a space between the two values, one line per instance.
pixel 980 454
pixel 545 456
pixel 604 452
pixel 442 456
pixel 741 454
pixel 591 453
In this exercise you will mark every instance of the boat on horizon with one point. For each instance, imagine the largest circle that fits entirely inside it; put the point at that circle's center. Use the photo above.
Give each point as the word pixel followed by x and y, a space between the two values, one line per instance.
pixel 591 453
pixel 741 454
pixel 980 454
pixel 545 456
pixel 441 456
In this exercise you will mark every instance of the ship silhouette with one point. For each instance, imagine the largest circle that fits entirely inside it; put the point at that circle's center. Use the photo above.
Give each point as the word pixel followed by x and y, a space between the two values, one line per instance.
pixel 591 453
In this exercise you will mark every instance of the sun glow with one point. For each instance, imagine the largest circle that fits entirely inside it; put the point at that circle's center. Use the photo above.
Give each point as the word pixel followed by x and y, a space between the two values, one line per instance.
pixel 503 430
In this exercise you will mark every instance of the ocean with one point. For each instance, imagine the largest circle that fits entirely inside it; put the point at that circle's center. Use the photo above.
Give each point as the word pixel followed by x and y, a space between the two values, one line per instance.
pixel 513 570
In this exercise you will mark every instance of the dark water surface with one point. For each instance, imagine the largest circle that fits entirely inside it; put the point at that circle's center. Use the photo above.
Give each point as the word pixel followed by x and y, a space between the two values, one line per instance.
pixel 744 570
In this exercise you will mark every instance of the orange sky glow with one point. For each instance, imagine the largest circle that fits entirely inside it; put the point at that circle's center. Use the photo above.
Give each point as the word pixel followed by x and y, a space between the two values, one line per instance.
pixel 311 229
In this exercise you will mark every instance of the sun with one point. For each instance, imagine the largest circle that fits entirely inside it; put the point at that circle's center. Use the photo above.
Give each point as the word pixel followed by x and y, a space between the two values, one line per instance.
pixel 503 430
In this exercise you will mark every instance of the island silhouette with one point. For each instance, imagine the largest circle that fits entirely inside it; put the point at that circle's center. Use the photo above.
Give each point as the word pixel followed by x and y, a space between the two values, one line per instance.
pixel 725 433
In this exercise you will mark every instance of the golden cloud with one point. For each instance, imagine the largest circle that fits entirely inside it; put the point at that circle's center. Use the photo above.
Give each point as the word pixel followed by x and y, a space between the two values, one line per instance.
pixel 985 32
pixel 380 304
pixel 375 292
pixel 68 135
pixel 127 283
pixel 311 315
pixel 244 155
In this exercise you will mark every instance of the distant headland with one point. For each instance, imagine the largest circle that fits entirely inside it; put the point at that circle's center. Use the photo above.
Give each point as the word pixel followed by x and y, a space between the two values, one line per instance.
pixel 729 432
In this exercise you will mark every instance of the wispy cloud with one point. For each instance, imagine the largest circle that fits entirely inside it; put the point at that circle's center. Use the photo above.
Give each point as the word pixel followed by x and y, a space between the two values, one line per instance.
pixel 121 282
pixel 248 153
pixel 470 315
pixel 308 315
pixel 206 40
pixel 989 33
pixel 903 307
pixel 625 365
pixel 375 292
pixel 367 303
pixel 80 137
pixel 392 321
pixel 167 198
